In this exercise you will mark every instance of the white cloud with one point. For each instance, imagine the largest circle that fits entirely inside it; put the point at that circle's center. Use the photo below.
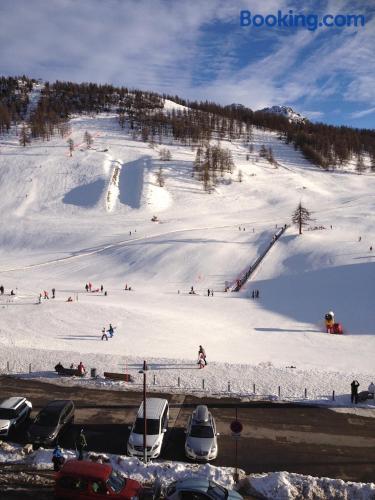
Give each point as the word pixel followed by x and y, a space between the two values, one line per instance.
pixel 365 112
pixel 164 45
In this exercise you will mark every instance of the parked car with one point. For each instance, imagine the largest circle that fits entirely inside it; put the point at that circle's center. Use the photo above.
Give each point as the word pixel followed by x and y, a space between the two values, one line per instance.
pixel 83 479
pixel 13 412
pixel 51 421
pixel 157 415
pixel 199 489
pixel 201 435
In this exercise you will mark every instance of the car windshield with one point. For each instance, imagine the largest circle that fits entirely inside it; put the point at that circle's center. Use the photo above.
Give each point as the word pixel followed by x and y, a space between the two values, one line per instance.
pixel 216 491
pixel 152 425
pixel 7 414
pixel 47 418
pixel 201 431
pixel 116 482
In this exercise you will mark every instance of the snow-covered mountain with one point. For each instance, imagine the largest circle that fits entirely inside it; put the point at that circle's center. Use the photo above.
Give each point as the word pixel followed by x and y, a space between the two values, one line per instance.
pixel 286 111
pixel 69 220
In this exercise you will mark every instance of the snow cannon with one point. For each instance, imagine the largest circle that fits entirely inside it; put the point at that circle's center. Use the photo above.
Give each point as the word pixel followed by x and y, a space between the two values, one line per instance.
pixel 329 321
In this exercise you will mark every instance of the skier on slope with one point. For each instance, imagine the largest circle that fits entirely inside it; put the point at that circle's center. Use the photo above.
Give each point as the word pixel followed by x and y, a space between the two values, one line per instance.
pixel 111 330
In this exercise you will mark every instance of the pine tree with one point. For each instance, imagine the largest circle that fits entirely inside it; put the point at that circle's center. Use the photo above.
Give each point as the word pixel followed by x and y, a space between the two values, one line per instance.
pixel 360 166
pixel 240 176
pixel 301 216
pixel 160 177
pixel 88 139
pixel 71 146
pixel 24 136
pixel 165 154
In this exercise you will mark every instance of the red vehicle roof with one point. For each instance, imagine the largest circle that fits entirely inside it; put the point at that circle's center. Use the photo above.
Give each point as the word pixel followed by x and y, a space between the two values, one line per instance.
pixel 86 468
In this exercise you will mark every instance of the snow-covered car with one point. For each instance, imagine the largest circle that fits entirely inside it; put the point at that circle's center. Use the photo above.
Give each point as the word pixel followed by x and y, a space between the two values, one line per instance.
pixel 157 414
pixel 199 489
pixel 13 412
pixel 201 435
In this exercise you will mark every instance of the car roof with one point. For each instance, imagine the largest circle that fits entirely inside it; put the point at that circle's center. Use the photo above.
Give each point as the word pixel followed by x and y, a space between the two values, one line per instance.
pixel 12 403
pixel 197 484
pixel 154 407
pixel 87 469
pixel 57 404
pixel 201 414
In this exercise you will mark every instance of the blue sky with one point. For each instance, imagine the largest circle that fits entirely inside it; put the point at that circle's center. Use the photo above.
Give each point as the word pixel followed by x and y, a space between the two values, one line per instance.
pixel 198 50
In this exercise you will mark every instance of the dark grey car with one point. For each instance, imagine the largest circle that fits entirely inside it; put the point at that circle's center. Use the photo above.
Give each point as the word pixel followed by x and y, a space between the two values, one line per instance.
pixel 51 421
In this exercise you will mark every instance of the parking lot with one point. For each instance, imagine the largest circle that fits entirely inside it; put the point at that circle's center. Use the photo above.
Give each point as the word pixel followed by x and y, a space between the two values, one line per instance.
pixel 276 436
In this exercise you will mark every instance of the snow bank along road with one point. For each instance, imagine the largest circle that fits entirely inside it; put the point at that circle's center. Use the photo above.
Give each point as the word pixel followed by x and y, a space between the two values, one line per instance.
pixel 276 436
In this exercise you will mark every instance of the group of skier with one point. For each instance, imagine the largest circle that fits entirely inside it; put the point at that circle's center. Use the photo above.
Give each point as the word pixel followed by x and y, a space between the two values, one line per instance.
pixel 108 333
pixel 89 288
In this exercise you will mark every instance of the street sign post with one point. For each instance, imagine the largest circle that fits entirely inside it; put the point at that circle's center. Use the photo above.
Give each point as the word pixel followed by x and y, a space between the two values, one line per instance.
pixel 236 428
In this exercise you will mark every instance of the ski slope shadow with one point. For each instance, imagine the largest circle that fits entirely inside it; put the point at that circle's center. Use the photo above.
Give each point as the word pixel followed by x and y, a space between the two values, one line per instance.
pixel 86 195
pixel 307 296
pixel 131 182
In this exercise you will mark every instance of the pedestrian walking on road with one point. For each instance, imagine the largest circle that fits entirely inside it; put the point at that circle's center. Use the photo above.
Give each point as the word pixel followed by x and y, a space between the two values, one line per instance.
pixel 354 391
pixel 81 444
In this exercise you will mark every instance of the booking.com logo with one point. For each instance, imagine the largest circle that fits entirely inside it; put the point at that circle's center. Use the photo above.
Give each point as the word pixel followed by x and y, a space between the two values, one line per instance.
pixel 309 21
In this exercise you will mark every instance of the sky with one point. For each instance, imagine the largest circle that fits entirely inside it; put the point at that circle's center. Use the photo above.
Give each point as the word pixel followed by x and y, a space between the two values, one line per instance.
pixel 197 49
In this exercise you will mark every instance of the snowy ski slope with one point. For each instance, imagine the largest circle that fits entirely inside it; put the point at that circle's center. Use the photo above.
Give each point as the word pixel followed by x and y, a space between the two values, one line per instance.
pixel 67 221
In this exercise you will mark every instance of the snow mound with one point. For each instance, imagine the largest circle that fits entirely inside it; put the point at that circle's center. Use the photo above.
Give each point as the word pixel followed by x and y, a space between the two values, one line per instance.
pixel 288 486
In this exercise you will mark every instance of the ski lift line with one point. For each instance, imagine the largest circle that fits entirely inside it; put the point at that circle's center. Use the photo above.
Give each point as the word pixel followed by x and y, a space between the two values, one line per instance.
pixel 114 245
pixel 253 268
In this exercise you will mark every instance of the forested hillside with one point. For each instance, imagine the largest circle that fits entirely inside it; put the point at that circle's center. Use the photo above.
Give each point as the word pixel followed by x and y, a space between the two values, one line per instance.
pixel 192 123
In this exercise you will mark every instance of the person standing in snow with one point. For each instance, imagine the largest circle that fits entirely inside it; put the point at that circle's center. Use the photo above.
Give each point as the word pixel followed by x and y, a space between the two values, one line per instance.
pixel 202 354
pixel 111 330
pixel 1 290
pixel 101 288
pixel 354 391
pixel 201 362
pixel 45 294
pixel 81 444
pixel 212 292
pixel 81 369
pixel 371 389
pixel 104 335
pixel 208 292
pixel 53 293
pixel 90 285
pixel 87 287
pixel 58 458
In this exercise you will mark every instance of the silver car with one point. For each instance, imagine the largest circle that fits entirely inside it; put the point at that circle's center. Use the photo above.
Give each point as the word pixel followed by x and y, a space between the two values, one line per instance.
pixel 201 435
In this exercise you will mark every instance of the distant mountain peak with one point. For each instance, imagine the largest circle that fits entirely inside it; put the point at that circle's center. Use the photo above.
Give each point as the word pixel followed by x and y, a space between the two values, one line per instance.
pixel 286 111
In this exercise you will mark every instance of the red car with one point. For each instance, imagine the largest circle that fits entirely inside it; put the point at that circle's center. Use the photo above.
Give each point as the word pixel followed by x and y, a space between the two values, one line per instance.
pixel 83 480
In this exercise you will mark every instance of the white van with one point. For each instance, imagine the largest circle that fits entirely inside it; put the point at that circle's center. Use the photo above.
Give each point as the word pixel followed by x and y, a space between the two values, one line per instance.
pixel 157 415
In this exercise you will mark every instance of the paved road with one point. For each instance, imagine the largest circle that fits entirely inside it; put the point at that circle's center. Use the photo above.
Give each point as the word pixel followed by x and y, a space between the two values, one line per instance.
pixel 276 436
